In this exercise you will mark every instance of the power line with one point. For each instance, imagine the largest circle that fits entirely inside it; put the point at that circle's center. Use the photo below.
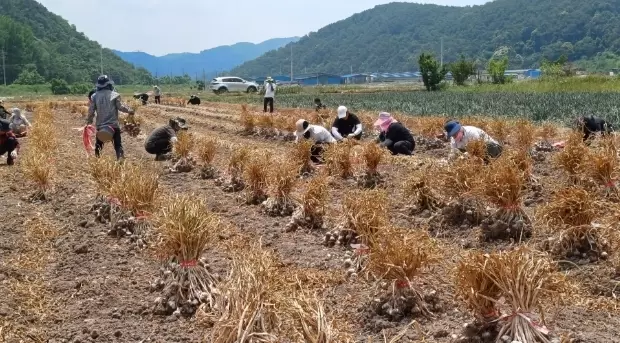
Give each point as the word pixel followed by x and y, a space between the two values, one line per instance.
pixel 3 68
pixel 291 62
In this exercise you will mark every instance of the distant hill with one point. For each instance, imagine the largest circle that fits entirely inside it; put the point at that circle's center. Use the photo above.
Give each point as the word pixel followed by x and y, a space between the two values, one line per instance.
pixel 41 46
pixel 389 37
pixel 211 61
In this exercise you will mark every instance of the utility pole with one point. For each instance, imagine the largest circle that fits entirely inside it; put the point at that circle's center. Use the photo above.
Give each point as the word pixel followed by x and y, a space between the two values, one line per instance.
pixel 351 69
pixel 442 51
pixel 3 68
pixel 101 59
pixel 291 62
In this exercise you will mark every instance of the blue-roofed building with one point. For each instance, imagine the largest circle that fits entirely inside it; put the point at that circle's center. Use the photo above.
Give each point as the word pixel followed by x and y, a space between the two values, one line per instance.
pixel 533 73
pixel 412 76
pixel 319 79
pixel 357 78
pixel 279 78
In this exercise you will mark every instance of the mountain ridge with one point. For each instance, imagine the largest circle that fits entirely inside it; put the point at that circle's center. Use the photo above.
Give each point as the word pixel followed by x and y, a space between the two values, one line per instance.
pixel 388 38
pixel 211 60
pixel 41 45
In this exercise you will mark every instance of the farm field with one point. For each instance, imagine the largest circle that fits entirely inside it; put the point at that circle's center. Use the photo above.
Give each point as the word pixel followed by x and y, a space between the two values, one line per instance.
pixel 240 239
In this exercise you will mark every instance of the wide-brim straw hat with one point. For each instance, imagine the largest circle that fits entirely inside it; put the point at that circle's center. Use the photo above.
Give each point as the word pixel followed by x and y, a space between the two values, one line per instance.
pixel 299 125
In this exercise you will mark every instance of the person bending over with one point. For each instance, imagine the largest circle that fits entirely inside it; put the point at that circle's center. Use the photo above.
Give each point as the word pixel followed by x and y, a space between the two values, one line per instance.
pixel 394 135
pixel 592 124
pixel 346 125
pixel 8 142
pixel 161 141
pixel 318 134
pixel 193 100
pixel 461 135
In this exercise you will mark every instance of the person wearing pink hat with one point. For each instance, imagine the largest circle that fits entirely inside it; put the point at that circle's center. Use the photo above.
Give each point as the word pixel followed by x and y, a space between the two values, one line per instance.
pixel 394 135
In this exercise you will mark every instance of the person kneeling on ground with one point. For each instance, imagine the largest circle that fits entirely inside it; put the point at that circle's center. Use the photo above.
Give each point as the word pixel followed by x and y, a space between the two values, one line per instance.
pixel 394 135
pixel 318 105
pixel 318 134
pixel 592 124
pixel 346 125
pixel 18 123
pixel 194 100
pixel 8 142
pixel 461 135
pixel 143 97
pixel 161 141
pixel 4 114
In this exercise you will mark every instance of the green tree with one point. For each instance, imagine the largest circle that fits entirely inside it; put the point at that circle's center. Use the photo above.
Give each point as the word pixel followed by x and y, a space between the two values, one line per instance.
pixel 497 70
pixel 462 70
pixel 432 72
pixel 29 76
pixel 81 88
pixel 558 68
pixel 31 35
pixel 60 87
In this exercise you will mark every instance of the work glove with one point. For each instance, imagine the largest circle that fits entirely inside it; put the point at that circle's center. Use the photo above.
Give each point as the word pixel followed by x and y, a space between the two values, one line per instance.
pixel 14 154
pixel 350 135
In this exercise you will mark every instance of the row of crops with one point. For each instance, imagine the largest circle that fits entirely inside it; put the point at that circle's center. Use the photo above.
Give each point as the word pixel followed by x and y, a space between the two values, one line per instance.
pixel 535 106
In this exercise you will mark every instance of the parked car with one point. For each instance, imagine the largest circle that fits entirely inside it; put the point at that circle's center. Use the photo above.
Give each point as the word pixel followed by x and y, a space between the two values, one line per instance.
pixel 225 84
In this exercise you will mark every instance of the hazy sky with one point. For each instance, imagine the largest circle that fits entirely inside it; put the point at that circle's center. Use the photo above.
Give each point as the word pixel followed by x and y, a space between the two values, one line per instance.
pixel 159 27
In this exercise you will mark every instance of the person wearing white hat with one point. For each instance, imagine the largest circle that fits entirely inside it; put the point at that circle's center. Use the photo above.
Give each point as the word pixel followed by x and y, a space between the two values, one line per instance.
pixel 270 93
pixel 394 135
pixel 106 102
pixel 18 123
pixel 157 94
pixel 346 125
pixel 318 134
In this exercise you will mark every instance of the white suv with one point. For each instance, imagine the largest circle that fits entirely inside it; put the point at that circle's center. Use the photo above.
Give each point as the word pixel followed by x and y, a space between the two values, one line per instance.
pixel 232 84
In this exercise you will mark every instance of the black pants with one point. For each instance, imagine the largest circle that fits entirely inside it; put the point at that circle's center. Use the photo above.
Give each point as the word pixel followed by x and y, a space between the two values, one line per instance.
pixel 160 147
pixel 7 148
pixel 118 145
pixel 316 153
pixel 494 150
pixel 157 99
pixel 268 101
pixel 402 148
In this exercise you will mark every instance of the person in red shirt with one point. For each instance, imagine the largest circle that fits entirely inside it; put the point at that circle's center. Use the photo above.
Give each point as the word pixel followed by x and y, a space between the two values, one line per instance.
pixel 8 142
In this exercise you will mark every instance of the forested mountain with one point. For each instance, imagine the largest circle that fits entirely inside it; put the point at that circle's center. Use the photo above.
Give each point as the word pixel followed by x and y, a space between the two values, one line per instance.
pixel 210 61
pixel 389 37
pixel 41 46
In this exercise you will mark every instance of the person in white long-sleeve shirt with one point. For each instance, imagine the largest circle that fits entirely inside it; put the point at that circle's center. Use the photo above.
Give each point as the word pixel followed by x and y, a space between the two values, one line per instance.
pixel 19 123
pixel 318 134
pixel 347 125
pixel 270 93
pixel 461 135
